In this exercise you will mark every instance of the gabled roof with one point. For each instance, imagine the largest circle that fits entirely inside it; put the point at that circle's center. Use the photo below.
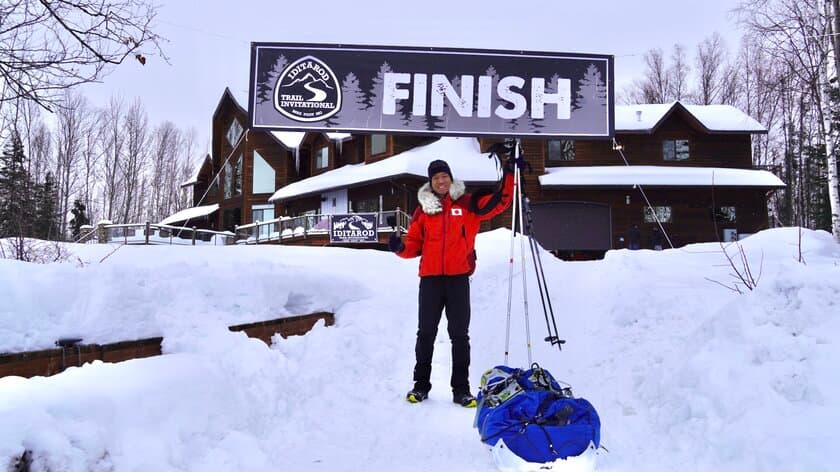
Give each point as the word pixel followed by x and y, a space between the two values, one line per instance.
pixel 200 165
pixel 657 176
pixel 707 118
pixel 228 95
pixel 465 159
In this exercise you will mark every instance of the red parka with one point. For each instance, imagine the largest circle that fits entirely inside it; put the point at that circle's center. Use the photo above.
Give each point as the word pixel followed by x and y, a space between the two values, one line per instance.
pixel 443 230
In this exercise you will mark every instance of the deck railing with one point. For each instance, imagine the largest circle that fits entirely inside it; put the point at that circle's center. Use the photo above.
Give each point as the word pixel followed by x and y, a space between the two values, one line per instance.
pixel 283 228
pixel 151 233
pixel 276 230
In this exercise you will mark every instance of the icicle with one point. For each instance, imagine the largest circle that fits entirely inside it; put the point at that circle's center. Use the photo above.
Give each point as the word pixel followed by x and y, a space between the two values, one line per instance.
pixel 297 159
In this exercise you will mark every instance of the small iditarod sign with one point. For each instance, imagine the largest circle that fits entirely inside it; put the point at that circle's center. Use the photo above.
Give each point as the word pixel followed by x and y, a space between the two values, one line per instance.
pixel 430 91
pixel 354 228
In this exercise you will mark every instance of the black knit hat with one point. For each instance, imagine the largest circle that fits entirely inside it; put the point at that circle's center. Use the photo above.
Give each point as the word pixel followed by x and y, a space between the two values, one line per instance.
pixel 438 166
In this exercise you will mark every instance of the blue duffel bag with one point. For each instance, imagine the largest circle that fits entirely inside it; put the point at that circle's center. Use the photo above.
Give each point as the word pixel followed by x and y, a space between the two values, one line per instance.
pixel 539 420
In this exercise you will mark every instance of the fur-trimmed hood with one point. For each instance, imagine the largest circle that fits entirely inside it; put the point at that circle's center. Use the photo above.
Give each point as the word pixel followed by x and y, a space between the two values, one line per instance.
pixel 431 203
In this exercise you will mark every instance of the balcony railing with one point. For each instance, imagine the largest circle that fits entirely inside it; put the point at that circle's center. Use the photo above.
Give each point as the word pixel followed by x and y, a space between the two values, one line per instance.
pixel 150 233
pixel 284 228
pixel 276 230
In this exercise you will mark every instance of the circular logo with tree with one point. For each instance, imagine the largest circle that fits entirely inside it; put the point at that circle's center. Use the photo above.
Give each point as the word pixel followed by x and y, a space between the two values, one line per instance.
pixel 307 90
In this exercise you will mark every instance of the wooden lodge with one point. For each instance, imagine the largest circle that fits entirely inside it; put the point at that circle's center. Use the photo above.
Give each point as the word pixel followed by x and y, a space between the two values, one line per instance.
pixel 693 164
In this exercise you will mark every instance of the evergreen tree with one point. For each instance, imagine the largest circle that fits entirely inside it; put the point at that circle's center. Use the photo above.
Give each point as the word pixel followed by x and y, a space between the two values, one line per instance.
pixel 15 198
pixel 79 219
pixel 46 220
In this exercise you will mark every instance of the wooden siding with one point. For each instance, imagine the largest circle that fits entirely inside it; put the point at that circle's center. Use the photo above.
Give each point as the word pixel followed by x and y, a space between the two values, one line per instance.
pixel 691 211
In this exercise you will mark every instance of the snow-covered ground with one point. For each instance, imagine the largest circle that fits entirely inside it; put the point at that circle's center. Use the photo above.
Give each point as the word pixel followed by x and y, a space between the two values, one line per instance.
pixel 685 374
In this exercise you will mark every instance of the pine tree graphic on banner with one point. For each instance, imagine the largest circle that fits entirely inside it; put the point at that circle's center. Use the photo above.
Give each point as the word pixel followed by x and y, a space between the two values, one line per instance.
pixel 549 110
pixel 407 118
pixel 354 102
pixel 496 101
pixel 453 120
pixel 509 125
pixel 590 99
pixel 431 121
pixel 265 89
pixel 374 111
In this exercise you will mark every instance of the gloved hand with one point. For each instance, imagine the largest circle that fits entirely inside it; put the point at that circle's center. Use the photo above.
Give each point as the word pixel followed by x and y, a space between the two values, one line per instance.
pixel 395 244
pixel 511 164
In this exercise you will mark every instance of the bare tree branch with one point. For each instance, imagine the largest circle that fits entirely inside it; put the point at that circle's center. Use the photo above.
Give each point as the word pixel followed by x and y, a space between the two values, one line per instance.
pixel 47 46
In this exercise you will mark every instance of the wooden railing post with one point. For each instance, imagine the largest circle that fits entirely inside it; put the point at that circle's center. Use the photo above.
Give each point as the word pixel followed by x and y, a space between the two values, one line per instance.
pixel 193 238
pixel 148 230
pixel 101 232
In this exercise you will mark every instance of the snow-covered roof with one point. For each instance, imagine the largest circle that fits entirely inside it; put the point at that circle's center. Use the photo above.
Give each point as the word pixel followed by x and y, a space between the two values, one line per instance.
pixel 190 213
pixel 194 178
pixel 290 139
pixel 715 118
pixel 665 176
pixel 465 159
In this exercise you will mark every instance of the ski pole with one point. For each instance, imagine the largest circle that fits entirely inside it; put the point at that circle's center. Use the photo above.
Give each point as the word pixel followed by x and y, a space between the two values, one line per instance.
pixel 518 198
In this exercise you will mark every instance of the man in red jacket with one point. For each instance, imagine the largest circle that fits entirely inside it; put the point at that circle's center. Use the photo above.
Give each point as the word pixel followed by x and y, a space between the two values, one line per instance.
pixel 442 232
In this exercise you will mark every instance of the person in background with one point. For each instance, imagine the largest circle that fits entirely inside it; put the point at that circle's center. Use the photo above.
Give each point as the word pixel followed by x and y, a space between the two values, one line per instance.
pixel 657 239
pixel 633 237
pixel 443 231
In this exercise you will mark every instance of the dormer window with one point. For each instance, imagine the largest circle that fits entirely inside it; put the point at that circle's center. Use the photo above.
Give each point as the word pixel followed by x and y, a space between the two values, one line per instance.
pixel 233 132
pixel 675 149
pixel 322 157
pixel 378 144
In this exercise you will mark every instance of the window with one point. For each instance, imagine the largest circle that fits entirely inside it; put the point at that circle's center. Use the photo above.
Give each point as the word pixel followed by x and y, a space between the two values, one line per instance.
pixel 233 132
pixel 228 180
pixel 378 144
pixel 368 205
pixel 663 214
pixel 322 157
pixel 231 218
pixel 561 150
pixel 263 213
pixel 214 187
pixel 263 175
pixel 675 149
pixel 726 214
pixel 237 177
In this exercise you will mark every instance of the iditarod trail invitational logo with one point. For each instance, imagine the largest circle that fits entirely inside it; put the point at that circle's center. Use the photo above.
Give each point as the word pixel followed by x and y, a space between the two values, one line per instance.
pixel 307 90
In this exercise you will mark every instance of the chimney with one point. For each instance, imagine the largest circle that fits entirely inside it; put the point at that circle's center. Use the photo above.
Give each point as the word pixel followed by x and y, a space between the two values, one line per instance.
pixel 638 115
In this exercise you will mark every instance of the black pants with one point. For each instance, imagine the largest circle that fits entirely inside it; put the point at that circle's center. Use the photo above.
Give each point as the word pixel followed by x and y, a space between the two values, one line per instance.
pixel 453 293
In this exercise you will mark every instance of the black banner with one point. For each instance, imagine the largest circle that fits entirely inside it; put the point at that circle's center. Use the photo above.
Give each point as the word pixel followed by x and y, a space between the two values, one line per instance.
pixel 381 89
pixel 354 228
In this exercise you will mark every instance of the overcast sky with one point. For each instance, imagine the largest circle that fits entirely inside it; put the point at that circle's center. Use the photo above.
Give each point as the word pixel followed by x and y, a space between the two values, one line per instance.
pixel 209 40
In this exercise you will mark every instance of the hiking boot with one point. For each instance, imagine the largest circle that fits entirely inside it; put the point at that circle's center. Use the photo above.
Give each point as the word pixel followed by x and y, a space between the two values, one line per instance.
pixel 465 399
pixel 416 396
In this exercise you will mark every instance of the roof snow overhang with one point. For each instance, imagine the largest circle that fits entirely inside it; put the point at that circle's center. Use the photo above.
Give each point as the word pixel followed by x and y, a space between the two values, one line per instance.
pixel 465 159
pixel 190 213
pixel 657 176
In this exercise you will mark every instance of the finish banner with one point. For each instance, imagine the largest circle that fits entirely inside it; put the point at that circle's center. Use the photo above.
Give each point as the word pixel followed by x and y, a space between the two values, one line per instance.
pixel 430 91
